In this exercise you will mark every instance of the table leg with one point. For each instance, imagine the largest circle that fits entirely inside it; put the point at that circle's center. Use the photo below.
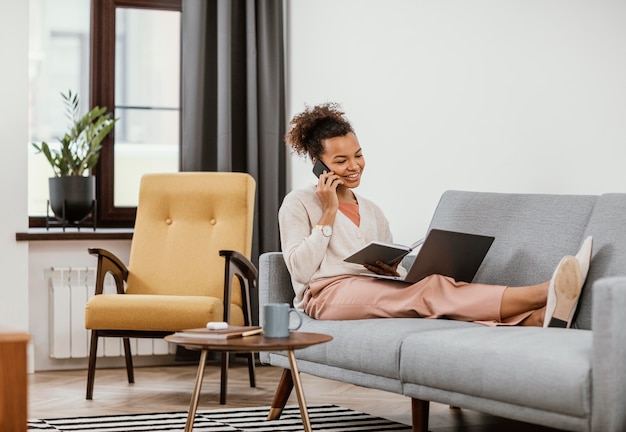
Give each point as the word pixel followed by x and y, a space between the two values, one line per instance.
pixel 193 405
pixel 295 373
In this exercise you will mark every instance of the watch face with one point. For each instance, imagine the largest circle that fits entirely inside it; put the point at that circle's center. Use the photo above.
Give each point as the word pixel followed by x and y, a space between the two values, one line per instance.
pixel 327 230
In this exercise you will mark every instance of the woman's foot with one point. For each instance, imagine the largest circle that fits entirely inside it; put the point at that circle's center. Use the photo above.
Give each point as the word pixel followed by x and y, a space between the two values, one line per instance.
pixel 563 293
pixel 584 257
pixel 535 319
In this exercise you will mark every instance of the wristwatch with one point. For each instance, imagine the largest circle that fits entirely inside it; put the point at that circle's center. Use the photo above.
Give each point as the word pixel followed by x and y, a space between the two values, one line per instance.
pixel 327 230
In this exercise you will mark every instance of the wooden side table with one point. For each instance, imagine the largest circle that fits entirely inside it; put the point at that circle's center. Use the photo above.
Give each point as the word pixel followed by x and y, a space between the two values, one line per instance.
pixel 296 340
pixel 13 380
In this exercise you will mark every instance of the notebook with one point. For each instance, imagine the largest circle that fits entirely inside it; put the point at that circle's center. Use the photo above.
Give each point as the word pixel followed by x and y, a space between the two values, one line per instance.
pixel 448 253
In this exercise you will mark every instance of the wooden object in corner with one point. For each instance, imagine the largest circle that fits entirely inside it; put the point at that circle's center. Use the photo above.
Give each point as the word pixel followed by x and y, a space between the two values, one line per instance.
pixel 13 380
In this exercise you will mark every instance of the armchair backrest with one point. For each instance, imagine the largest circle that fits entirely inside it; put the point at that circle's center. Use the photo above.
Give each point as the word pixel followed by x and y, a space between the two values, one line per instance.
pixel 183 221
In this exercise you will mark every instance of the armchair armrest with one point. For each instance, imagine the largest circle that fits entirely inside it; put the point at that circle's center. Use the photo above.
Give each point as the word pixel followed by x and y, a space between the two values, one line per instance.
pixel 237 265
pixel 109 263
pixel 609 354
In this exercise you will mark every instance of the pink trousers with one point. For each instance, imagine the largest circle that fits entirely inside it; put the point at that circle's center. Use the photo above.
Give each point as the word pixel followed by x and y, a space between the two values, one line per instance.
pixel 436 296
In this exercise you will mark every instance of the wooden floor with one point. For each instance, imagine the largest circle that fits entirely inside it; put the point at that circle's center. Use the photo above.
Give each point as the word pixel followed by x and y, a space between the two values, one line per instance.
pixel 163 389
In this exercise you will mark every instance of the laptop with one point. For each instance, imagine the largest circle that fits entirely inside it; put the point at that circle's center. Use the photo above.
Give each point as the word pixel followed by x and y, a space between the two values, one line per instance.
pixel 448 253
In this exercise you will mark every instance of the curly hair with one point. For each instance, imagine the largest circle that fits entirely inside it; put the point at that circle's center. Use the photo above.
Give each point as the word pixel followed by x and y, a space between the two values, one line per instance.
pixel 315 124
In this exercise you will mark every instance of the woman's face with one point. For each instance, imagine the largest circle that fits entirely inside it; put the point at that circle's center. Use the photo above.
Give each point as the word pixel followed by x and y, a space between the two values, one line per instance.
pixel 344 156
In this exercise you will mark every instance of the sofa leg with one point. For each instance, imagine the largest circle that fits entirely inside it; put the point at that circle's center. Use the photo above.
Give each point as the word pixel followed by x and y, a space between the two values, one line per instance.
pixel 285 386
pixel 419 413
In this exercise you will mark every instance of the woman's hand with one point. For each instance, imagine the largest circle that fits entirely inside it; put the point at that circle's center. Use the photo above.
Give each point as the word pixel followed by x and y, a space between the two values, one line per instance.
pixel 383 269
pixel 327 190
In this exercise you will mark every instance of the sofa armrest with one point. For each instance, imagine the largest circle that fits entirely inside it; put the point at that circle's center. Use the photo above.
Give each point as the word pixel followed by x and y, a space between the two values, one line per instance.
pixel 274 280
pixel 609 354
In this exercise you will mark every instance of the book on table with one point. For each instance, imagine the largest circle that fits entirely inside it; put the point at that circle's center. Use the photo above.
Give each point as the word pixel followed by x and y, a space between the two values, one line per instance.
pixel 227 333
pixel 389 253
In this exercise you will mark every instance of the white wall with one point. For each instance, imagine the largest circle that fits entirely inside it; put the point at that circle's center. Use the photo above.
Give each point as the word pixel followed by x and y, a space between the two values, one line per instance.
pixel 515 96
pixel 13 119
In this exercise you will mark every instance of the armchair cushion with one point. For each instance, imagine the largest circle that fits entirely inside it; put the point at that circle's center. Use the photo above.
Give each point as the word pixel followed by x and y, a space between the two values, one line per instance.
pixel 155 312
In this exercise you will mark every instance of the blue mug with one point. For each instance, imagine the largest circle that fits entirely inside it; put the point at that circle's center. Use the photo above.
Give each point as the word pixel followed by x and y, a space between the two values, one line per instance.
pixel 276 323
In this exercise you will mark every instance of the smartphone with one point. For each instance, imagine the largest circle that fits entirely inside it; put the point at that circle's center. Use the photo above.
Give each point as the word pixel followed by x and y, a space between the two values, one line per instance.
pixel 319 168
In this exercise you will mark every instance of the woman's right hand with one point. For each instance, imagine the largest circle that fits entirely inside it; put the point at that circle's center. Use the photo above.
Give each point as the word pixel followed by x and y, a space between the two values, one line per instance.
pixel 326 191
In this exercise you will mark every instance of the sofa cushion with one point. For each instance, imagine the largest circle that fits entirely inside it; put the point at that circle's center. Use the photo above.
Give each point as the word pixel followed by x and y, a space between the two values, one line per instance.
pixel 548 369
pixel 371 345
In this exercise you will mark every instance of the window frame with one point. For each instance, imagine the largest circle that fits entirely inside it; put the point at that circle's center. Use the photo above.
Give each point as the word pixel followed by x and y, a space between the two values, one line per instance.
pixel 102 93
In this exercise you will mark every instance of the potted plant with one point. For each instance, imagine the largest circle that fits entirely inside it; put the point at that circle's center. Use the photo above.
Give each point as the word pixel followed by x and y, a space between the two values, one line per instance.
pixel 72 193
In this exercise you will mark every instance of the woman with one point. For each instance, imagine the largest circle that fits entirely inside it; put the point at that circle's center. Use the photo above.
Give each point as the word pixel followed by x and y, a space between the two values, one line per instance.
pixel 322 225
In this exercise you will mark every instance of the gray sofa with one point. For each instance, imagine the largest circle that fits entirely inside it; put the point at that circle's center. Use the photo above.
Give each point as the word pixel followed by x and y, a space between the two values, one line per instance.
pixel 570 379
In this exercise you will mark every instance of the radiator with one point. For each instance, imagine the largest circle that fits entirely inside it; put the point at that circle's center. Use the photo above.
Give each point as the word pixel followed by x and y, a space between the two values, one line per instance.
pixel 69 288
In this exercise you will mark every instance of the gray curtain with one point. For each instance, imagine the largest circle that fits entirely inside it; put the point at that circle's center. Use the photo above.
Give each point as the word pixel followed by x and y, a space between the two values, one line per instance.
pixel 233 105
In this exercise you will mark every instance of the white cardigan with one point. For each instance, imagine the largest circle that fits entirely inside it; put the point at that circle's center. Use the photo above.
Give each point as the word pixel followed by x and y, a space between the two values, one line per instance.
pixel 311 256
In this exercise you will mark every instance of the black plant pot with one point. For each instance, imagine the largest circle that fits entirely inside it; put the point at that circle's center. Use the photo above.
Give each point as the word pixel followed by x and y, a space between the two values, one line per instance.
pixel 72 197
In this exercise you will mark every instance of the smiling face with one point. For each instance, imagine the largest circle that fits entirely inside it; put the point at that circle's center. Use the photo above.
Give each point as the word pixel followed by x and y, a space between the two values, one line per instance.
pixel 344 156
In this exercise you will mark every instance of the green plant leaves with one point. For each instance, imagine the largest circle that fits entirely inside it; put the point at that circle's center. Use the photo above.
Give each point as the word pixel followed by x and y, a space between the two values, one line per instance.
pixel 79 149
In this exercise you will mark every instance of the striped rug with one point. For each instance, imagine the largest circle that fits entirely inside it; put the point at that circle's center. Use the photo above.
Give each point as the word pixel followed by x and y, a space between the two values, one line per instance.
pixel 324 418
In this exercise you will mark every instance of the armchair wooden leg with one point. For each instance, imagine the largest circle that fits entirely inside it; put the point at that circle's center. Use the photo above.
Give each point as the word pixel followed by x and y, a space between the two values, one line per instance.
pixel 285 386
pixel 419 413
pixel 91 371
pixel 251 369
pixel 129 361
pixel 224 374
pixel 224 378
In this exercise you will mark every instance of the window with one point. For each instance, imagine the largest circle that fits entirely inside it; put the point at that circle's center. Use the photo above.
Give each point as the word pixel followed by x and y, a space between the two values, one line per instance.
pixel 147 98
pixel 134 72
pixel 58 61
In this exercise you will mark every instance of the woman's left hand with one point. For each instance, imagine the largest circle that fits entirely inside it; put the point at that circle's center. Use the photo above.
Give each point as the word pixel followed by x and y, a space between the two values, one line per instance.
pixel 383 269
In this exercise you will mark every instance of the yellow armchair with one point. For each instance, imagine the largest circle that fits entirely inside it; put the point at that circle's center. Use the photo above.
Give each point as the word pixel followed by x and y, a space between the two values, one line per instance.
pixel 189 257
